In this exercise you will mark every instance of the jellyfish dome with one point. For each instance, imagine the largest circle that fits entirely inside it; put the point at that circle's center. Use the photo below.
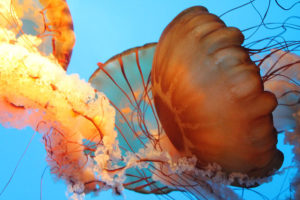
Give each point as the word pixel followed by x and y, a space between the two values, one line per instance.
pixel 209 96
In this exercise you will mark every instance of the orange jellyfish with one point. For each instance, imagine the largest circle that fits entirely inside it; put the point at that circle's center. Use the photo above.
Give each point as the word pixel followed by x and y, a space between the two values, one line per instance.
pixel 203 96
pixel 209 96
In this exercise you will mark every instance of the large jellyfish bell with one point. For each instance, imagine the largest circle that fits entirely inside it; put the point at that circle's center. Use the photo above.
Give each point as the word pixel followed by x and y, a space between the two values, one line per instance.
pixel 209 96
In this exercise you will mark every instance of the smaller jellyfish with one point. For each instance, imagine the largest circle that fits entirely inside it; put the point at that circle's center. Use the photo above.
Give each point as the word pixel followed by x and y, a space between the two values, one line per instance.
pixel 281 72
pixel 73 117
pixel 61 24
pixel 51 21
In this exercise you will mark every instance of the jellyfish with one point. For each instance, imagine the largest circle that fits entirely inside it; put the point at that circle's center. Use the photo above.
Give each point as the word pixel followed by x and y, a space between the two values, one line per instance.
pixel 204 76
pixel 37 92
pixel 169 92
pixel 120 138
pixel 51 21
pixel 283 79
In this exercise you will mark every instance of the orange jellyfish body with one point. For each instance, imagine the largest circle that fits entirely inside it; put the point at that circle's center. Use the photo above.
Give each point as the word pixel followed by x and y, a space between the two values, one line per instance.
pixel 210 98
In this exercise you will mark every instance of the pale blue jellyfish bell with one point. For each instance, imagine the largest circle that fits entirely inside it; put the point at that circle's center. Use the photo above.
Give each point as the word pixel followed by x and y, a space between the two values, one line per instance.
pixel 125 80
